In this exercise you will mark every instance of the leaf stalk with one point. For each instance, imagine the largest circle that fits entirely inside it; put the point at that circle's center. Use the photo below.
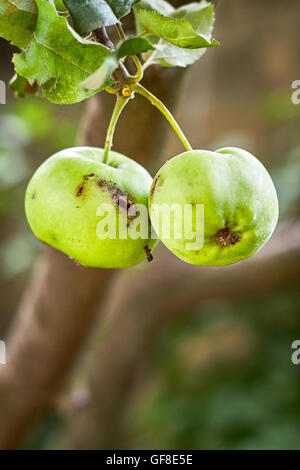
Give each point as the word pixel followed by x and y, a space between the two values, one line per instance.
pixel 138 88
pixel 120 104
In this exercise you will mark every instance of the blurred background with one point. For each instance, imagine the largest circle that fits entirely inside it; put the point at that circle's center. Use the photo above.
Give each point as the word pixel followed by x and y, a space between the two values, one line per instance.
pixel 213 371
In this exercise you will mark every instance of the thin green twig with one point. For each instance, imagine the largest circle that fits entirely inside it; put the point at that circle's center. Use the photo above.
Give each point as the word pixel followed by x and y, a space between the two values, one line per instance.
pixel 120 103
pixel 138 88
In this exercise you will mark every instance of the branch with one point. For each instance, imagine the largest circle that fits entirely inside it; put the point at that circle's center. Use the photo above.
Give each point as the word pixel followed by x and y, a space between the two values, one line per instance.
pixel 103 38
pixel 144 303
pixel 58 307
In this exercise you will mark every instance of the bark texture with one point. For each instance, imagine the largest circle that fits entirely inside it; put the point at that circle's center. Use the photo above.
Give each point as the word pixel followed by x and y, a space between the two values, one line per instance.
pixel 144 304
pixel 59 304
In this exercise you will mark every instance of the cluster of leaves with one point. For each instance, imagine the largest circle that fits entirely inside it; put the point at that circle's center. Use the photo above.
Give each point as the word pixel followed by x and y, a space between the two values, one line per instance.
pixel 69 67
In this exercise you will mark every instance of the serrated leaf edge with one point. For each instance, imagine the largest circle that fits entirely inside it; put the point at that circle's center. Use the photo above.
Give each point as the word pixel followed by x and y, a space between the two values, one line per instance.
pixel 182 22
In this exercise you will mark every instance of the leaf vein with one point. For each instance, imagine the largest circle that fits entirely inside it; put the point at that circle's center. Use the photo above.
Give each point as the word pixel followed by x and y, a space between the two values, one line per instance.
pixel 67 59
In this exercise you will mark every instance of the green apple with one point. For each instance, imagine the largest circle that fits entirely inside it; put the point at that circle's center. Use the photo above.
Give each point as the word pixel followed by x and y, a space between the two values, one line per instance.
pixel 73 195
pixel 236 198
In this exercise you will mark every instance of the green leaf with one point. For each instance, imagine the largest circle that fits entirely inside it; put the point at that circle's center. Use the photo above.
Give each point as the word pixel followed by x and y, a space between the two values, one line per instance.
pixel 161 6
pixel 97 80
pixel 129 47
pixel 200 15
pixel 168 55
pixel 88 15
pixel 60 6
pixel 20 86
pixel 121 7
pixel 17 21
pixel 133 46
pixel 176 31
pixel 58 59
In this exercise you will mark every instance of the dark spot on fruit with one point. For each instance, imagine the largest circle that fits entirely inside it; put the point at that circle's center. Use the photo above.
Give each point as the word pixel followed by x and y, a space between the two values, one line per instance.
pixel 131 209
pixel 80 189
pixel 234 239
pixel 33 196
pixel 119 198
pixel 115 198
pixel 148 253
pixel 89 177
pixel 101 183
pixel 108 186
pixel 225 237
pixel 154 186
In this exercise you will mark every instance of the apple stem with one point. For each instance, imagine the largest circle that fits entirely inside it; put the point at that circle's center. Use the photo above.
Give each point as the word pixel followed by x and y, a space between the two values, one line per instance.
pixel 120 31
pixel 120 103
pixel 134 58
pixel 139 71
pixel 137 87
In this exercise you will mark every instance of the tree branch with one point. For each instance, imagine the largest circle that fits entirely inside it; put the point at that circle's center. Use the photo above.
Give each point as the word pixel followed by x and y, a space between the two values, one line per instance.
pixel 144 303
pixel 59 305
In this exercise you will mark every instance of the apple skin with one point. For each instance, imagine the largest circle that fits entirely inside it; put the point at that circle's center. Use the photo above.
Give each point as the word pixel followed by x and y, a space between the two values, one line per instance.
pixel 63 196
pixel 239 198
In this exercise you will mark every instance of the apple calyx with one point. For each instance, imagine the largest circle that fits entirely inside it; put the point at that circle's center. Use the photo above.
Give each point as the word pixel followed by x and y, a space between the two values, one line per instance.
pixel 226 237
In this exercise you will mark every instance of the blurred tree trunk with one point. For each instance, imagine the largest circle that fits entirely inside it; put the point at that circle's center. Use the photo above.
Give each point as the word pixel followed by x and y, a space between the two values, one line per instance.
pixel 59 305
pixel 244 71
pixel 168 288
